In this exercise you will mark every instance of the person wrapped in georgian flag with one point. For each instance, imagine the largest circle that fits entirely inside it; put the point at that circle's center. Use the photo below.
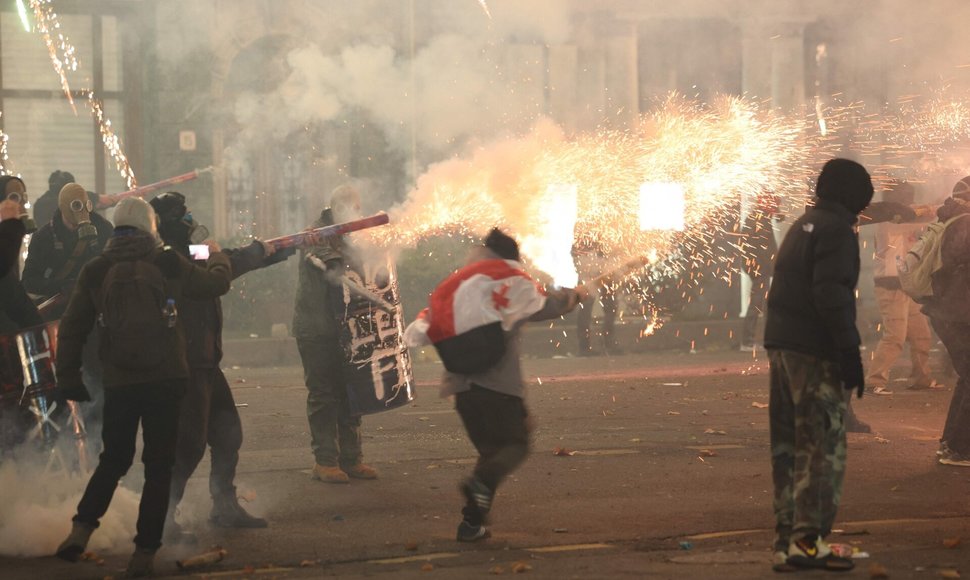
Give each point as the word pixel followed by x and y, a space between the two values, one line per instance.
pixel 473 320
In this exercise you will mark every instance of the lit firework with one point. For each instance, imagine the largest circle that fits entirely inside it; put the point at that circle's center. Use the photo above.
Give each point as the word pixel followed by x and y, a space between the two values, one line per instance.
pixel 111 142
pixel 61 51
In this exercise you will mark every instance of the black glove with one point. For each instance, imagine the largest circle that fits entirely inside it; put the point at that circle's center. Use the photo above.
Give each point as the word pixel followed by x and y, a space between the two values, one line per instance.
pixel 77 393
pixel 853 377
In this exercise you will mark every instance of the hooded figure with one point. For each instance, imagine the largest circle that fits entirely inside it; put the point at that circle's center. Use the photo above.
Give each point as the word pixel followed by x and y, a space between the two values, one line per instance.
pixel 813 352
pixel 949 312
pixel 208 416
pixel 145 367
pixel 62 246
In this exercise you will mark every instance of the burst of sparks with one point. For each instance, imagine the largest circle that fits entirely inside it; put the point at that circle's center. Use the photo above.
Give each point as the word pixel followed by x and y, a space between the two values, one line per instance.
pixel 4 159
pixel 62 53
pixel 111 141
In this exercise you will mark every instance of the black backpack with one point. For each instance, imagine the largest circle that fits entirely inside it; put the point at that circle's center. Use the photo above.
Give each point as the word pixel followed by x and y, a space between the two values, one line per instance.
pixel 136 331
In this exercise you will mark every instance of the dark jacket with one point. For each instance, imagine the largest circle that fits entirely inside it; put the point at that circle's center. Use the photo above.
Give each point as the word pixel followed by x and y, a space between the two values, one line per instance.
pixel 52 249
pixel 951 283
pixel 17 311
pixel 46 205
pixel 811 303
pixel 203 317
pixel 184 280
pixel 12 232
pixel 314 315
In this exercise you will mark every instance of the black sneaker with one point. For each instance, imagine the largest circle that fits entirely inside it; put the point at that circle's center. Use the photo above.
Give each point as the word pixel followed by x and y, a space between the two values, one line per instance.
pixel 478 493
pixel 470 533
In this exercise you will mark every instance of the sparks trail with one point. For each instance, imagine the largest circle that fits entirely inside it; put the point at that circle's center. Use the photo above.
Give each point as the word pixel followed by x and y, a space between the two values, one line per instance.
pixel 62 53
pixel 112 143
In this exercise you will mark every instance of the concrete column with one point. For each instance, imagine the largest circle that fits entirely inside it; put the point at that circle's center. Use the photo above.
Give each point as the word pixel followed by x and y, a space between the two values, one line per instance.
pixel 788 67
pixel 563 79
pixel 756 59
pixel 620 42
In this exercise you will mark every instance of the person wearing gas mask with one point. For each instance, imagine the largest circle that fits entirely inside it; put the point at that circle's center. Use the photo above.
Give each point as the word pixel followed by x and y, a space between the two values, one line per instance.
pixel 47 204
pixel 61 247
pixel 334 432
pixel 208 413
pixel 17 310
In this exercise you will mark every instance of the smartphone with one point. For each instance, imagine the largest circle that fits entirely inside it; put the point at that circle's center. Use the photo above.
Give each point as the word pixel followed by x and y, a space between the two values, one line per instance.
pixel 199 251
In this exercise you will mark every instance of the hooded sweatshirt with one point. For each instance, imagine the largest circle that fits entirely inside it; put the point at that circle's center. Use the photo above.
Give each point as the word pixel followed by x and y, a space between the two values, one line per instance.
pixel 183 279
pixel 811 303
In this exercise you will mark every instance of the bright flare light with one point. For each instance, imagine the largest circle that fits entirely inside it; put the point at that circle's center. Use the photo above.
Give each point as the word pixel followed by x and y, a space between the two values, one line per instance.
pixel 662 207
pixel 548 245
pixel 22 12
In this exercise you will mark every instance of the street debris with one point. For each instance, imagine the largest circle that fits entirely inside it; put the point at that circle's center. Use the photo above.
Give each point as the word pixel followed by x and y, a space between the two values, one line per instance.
pixel 242 405
pixel 882 440
pixel 520 567
pixel 673 413
pixel 686 546
pixel 714 432
pixel 563 452
pixel 949 574
pixel 707 453
pixel 216 554
pixel 496 570
pixel 309 563
pixel 951 543
pixel 559 530
pixel 758 405
pixel 411 546
pixel 878 571
pixel 428 566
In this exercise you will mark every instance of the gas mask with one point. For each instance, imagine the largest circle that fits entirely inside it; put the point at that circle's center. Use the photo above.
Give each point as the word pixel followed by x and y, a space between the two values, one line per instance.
pixel 76 208
pixel 197 233
pixel 176 224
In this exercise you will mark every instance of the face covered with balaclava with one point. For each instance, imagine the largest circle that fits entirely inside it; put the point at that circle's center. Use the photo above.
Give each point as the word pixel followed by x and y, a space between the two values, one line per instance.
pixel 76 208
pixel 176 225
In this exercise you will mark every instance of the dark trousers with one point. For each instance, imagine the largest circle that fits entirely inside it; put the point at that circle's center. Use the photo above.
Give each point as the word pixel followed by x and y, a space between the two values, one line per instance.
pixel 208 418
pixel 756 307
pixel 334 432
pixel 496 425
pixel 956 339
pixel 584 320
pixel 156 407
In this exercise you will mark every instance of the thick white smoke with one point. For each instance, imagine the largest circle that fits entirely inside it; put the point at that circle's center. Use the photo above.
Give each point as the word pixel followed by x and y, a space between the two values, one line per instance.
pixel 36 507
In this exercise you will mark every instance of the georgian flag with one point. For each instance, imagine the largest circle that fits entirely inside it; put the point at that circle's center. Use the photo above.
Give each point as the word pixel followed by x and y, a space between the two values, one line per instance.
pixel 481 293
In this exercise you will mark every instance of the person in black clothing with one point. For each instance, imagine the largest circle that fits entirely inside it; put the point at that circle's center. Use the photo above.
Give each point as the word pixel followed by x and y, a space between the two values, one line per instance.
pixel 145 367
pixel 814 357
pixel 208 415
pixel 17 310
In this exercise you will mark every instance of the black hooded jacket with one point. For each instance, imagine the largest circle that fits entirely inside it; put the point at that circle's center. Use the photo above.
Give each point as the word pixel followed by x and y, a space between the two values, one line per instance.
pixel 811 303
pixel 202 318
pixel 52 248
pixel 17 311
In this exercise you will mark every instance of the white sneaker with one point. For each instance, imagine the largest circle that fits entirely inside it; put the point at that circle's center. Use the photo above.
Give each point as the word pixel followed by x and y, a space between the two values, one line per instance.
pixel 814 552
pixel 881 391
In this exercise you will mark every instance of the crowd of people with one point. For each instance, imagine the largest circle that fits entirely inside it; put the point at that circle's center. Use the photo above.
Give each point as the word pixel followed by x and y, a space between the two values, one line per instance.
pixel 140 324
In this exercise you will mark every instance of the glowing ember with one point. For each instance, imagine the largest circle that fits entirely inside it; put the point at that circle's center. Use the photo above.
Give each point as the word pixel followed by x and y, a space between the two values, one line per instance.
pixel 484 6
pixel 61 51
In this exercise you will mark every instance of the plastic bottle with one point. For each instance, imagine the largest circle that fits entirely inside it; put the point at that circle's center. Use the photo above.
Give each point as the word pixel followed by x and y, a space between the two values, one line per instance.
pixel 170 312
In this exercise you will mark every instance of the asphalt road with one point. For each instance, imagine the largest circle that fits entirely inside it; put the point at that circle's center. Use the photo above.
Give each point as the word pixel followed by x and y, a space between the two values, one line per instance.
pixel 670 479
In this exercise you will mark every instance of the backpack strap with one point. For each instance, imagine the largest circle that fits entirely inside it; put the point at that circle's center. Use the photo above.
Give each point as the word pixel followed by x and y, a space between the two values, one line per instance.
pixel 79 248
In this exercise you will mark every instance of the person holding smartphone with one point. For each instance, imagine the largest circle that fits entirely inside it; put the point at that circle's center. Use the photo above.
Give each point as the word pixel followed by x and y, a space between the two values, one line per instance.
pixel 208 413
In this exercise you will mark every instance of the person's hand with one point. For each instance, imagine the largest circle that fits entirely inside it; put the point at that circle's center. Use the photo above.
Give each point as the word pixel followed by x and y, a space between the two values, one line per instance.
pixel 9 209
pixel 853 377
pixel 268 248
pixel 213 246
pixel 582 292
pixel 77 393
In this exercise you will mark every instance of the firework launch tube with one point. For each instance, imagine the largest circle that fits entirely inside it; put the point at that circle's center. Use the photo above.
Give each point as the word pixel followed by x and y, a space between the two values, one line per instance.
pixel 315 236
pixel 146 189
pixel 203 559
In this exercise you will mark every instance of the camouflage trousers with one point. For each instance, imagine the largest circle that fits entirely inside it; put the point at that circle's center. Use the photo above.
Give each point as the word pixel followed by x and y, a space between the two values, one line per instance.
pixel 807 410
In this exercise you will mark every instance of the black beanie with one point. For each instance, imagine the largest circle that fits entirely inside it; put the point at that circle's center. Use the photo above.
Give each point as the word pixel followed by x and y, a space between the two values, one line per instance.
pixel 502 244
pixel 58 179
pixel 846 182
pixel 169 206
